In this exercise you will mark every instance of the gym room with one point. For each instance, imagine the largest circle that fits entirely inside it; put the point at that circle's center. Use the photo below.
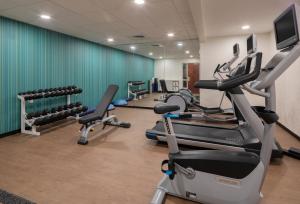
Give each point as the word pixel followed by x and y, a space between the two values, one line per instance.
pixel 149 101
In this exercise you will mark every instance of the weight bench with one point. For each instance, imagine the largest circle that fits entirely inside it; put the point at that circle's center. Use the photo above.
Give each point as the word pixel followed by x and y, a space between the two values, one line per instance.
pixel 100 116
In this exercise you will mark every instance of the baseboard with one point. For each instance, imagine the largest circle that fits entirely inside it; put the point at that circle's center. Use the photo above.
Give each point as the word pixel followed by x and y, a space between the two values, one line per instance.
pixel 10 133
pixel 288 130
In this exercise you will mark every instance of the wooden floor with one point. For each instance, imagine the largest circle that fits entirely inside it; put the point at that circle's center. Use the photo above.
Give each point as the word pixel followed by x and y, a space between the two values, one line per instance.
pixel 117 166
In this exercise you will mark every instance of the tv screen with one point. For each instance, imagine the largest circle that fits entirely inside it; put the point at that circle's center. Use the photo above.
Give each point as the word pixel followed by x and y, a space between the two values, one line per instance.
pixel 286 31
pixel 250 44
pixel 236 50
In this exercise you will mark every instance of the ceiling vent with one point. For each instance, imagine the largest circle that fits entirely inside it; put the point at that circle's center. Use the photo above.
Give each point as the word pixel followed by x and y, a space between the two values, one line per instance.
pixel 157 45
pixel 139 36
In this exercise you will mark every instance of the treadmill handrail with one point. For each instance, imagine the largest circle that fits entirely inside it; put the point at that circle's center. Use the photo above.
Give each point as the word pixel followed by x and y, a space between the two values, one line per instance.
pixel 234 81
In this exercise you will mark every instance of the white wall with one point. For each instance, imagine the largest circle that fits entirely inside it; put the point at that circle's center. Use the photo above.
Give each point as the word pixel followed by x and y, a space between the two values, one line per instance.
pixel 171 69
pixel 219 50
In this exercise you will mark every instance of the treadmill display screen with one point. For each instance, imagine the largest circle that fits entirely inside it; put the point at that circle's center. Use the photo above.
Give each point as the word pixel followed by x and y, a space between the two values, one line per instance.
pixel 286 31
pixel 250 44
pixel 236 50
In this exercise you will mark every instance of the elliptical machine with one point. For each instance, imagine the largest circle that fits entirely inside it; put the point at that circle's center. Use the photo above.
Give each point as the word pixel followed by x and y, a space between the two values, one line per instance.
pixel 216 176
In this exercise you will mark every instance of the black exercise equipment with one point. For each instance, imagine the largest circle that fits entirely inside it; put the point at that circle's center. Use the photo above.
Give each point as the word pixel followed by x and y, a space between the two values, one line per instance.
pixel 100 115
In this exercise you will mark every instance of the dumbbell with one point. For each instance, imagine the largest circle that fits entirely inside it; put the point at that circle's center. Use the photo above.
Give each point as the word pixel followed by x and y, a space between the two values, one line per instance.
pixel 28 97
pixel 47 95
pixel 40 91
pixel 73 111
pixel 53 110
pixel 61 93
pixel 38 121
pixel 77 90
pixel 45 111
pixel 50 89
pixel 60 116
pixel 66 107
pixel 84 108
pixel 60 108
pixel 37 114
pixel 37 96
pixel 53 93
pixel 71 105
pixel 30 116
pixel 77 104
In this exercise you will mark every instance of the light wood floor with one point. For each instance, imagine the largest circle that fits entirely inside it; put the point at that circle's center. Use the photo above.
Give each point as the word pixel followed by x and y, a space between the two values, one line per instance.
pixel 118 166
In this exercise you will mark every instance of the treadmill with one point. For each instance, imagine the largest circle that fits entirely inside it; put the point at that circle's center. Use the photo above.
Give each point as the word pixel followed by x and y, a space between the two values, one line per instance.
pixel 241 138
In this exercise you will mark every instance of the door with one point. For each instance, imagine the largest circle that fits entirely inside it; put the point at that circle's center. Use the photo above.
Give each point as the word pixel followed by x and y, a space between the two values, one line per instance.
pixel 193 72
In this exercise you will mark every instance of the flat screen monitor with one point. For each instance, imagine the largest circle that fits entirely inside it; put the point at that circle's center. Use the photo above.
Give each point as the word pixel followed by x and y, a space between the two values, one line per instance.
pixel 286 28
pixel 251 44
pixel 236 50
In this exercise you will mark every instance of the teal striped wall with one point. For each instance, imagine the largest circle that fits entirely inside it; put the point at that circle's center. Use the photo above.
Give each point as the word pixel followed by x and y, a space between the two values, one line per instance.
pixel 34 58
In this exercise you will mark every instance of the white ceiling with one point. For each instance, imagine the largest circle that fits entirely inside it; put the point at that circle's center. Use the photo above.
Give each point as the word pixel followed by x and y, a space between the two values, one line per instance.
pixel 225 17
pixel 96 20
pixel 190 20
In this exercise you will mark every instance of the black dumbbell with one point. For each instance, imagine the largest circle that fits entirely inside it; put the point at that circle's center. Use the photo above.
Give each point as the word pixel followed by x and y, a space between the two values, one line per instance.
pixel 53 110
pixel 30 116
pixel 84 108
pixel 60 93
pixel 37 114
pixel 71 91
pixel 77 104
pixel 67 92
pixel 28 97
pixel 60 116
pixel 38 121
pixel 40 91
pixel 53 93
pixel 66 107
pixel 77 90
pixel 45 111
pixel 34 92
pixel 37 96
pixel 73 111
pixel 49 90
pixel 46 120
pixel 79 110
pixel 60 108
pixel 47 95
pixel 71 105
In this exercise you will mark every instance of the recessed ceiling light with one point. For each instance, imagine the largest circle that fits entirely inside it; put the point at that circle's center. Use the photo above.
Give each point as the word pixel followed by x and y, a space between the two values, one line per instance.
pixel 139 2
pixel 245 27
pixel 179 44
pixel 150 53
pixel 187 52
pixel 132 47
pixel 110 40
pixel 171 35
pixel 44 16
pixel 160 57
pixel 191 56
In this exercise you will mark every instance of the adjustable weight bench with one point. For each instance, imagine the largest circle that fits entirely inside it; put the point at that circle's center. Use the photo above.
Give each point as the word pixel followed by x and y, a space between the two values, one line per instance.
pixel 100 116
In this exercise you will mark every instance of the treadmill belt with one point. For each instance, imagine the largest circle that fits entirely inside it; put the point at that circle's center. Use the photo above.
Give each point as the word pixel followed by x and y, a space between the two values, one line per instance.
pixel 203 133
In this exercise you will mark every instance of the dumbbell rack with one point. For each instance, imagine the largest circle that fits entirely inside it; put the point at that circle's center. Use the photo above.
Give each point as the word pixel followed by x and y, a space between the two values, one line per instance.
pixel 138 92
pixel 31 96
